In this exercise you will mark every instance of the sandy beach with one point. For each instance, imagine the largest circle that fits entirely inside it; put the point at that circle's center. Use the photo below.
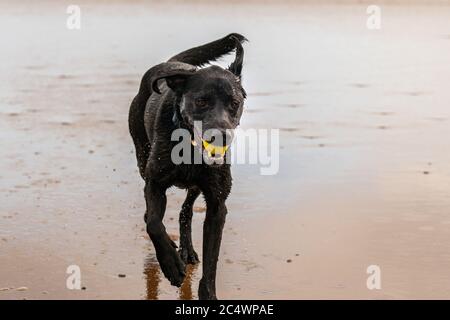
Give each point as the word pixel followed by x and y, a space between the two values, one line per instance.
pixel 364 175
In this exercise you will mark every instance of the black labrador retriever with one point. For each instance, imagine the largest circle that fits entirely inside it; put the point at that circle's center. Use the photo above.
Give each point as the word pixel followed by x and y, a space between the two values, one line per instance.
pixel 213 96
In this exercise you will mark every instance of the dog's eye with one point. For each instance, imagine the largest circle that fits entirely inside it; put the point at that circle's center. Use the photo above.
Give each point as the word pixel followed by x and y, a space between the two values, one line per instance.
pixel 235 103
pixel 200 102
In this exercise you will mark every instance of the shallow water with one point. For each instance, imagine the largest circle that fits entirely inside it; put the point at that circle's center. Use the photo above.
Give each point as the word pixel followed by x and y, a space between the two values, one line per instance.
pixel 364 161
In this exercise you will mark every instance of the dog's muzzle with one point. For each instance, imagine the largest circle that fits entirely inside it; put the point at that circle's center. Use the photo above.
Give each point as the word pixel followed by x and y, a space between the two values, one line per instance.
pixel 213 151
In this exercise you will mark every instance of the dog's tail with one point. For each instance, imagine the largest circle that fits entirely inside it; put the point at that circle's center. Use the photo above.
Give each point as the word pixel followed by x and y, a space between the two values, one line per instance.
pixel 211 51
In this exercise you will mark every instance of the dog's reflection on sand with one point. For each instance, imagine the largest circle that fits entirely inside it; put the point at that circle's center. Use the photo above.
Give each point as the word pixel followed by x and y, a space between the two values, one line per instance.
pixel 153 278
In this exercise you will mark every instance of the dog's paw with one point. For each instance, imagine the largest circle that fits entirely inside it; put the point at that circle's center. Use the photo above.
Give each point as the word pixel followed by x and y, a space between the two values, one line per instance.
pixel 173 268
pixel 206 291
pixel 188 255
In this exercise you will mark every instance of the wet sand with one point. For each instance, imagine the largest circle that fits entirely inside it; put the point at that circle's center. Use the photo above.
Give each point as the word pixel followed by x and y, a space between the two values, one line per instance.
pixel 364 162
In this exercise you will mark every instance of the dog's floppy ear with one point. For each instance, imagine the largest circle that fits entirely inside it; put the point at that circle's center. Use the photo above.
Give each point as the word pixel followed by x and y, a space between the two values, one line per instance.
pixel 175 74
pixel 236 66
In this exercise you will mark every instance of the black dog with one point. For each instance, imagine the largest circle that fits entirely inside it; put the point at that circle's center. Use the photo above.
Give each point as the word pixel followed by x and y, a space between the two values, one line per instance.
pixel 189 93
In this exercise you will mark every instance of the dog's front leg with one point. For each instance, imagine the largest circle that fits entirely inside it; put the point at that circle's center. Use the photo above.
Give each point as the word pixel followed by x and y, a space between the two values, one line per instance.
pixel 212 236
pixel 171 264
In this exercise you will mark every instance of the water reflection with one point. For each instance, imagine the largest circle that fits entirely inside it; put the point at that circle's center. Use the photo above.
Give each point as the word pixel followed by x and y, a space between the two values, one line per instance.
pixel 153 276
pixel 186 288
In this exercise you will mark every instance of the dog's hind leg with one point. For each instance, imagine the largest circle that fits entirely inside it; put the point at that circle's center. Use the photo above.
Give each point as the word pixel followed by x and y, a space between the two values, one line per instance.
pixel 137 129
pixel 138 134
pixel 187 252
pixel 171 264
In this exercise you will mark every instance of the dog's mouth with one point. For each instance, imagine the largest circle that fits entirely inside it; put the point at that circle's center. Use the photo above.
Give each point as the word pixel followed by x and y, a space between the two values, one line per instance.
pixel 213 152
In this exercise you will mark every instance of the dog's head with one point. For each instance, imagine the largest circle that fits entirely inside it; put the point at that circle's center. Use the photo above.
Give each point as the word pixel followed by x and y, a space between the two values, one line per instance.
pixel 210 100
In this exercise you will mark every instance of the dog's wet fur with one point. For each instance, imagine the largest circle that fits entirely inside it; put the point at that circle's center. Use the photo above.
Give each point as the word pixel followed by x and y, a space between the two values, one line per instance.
pixel 173 95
